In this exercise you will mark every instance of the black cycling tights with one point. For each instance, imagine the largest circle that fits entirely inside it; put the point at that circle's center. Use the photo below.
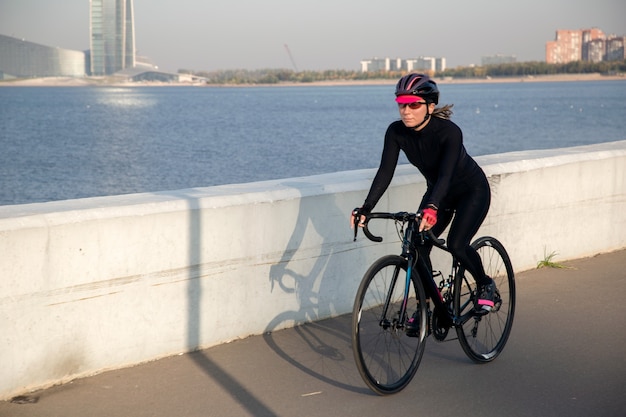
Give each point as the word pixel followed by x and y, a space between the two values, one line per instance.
pixel 470 213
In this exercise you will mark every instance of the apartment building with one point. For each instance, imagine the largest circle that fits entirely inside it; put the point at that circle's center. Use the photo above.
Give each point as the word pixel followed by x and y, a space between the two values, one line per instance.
pixel 584 45
pixel 423 64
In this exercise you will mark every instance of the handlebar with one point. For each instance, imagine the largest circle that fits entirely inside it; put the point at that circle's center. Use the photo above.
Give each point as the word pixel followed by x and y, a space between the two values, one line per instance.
pixel 402 216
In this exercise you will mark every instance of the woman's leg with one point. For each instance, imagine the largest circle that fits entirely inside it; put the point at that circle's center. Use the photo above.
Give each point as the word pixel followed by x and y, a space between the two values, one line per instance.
pixel 470 214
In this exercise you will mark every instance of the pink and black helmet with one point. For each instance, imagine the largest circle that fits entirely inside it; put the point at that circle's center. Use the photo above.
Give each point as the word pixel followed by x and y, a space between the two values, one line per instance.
pixel 418 85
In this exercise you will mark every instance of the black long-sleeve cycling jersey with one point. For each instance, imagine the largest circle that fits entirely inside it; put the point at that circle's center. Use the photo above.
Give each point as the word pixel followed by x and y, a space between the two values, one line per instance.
pixel 438 152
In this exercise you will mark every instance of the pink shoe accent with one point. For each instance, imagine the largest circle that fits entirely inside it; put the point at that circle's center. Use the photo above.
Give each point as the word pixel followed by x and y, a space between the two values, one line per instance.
pixel 485 303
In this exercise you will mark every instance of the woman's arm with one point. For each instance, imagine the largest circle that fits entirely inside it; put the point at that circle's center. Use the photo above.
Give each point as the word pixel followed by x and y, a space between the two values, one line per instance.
pixel 386 169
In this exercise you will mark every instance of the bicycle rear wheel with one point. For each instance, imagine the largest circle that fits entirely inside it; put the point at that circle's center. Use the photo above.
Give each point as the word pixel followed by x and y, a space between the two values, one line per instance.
pixel 483 336
pixel 386 357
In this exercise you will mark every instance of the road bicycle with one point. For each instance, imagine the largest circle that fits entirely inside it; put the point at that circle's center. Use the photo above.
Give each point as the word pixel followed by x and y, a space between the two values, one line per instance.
pixel 387 351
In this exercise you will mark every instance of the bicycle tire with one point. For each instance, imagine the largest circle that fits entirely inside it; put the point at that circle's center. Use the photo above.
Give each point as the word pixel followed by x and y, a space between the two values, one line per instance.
pixel 483 337
pixel 386 357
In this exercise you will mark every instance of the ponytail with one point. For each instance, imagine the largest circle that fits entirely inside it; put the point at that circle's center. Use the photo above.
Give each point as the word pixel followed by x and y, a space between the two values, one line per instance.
pixel 444 112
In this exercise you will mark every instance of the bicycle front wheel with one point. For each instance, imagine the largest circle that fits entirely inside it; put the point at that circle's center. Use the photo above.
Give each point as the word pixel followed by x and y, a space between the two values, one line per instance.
pixel 483 336
pixel 386 357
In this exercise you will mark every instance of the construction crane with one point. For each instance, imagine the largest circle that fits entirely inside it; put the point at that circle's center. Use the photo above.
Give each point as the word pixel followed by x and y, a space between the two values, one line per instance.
pixel 293 62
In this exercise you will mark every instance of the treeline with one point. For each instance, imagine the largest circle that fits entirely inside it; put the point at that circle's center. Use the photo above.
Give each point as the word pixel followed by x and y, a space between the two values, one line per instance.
pixel 520 69
pixel 277 76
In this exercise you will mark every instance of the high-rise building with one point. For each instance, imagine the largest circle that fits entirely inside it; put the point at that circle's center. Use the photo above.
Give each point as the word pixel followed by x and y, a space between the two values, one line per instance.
pixel 112 36
pixel 593 45
pixel 616 48
pixel 590 45
pixel 566 47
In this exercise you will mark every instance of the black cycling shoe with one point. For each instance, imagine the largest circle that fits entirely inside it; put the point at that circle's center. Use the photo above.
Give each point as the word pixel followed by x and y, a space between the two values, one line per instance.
pixel 413 324
pixel 486 296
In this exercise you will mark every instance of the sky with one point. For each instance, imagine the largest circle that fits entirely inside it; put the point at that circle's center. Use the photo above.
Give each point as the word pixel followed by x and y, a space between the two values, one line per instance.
pixel 212 35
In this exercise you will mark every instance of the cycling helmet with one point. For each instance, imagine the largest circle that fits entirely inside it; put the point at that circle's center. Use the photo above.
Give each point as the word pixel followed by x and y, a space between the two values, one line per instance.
pixel 418 85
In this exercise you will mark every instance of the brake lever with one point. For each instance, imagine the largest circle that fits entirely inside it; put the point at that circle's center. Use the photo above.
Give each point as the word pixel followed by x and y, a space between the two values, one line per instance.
pixel 355 223
pixel 429 233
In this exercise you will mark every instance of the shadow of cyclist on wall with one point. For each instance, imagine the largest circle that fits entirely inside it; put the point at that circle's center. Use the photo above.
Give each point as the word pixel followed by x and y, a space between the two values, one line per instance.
pixel 313 276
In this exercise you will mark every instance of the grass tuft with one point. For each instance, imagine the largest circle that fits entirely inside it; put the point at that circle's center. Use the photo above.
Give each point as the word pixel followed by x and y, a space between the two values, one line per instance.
pixel 547 261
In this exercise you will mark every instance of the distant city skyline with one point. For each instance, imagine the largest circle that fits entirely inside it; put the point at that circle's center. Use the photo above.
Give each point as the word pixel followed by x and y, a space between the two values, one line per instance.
pixel 216 35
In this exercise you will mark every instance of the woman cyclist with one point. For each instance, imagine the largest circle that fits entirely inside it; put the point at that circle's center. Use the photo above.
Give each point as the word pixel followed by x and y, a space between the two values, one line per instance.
pixel 457 188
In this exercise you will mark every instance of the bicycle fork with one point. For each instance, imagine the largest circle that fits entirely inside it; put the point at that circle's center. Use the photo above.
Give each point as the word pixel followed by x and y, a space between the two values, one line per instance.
pixel 402 314
pixel 385 323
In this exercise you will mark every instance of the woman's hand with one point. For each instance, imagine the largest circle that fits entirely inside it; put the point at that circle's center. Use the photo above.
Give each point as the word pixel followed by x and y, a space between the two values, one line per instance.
pixel 429 219
pixel 356 213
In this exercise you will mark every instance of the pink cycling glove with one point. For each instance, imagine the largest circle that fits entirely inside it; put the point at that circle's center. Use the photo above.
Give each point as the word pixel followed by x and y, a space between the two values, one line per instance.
pixel 430 216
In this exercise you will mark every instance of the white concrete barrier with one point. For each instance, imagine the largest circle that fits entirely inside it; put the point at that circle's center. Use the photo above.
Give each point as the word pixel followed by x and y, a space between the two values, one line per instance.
pixel 95 284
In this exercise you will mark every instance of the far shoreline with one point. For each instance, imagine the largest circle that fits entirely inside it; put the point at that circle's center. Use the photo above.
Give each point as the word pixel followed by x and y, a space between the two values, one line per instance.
pixel 99 82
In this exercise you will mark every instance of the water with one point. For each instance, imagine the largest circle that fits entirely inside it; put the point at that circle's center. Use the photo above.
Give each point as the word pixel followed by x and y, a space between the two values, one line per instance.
pixel 67 142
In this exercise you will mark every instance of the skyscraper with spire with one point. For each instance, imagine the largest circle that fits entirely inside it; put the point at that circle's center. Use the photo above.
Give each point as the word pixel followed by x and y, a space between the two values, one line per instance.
pixel 112 36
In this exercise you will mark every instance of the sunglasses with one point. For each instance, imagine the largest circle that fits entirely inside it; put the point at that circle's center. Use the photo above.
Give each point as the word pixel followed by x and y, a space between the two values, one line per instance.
pixel 413 106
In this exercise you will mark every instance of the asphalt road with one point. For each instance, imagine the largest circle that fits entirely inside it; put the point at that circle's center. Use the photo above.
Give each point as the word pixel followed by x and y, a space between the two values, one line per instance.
pixel 565 357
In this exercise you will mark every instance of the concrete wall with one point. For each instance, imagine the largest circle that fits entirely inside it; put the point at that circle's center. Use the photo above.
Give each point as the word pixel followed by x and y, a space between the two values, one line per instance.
pixel 101 283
